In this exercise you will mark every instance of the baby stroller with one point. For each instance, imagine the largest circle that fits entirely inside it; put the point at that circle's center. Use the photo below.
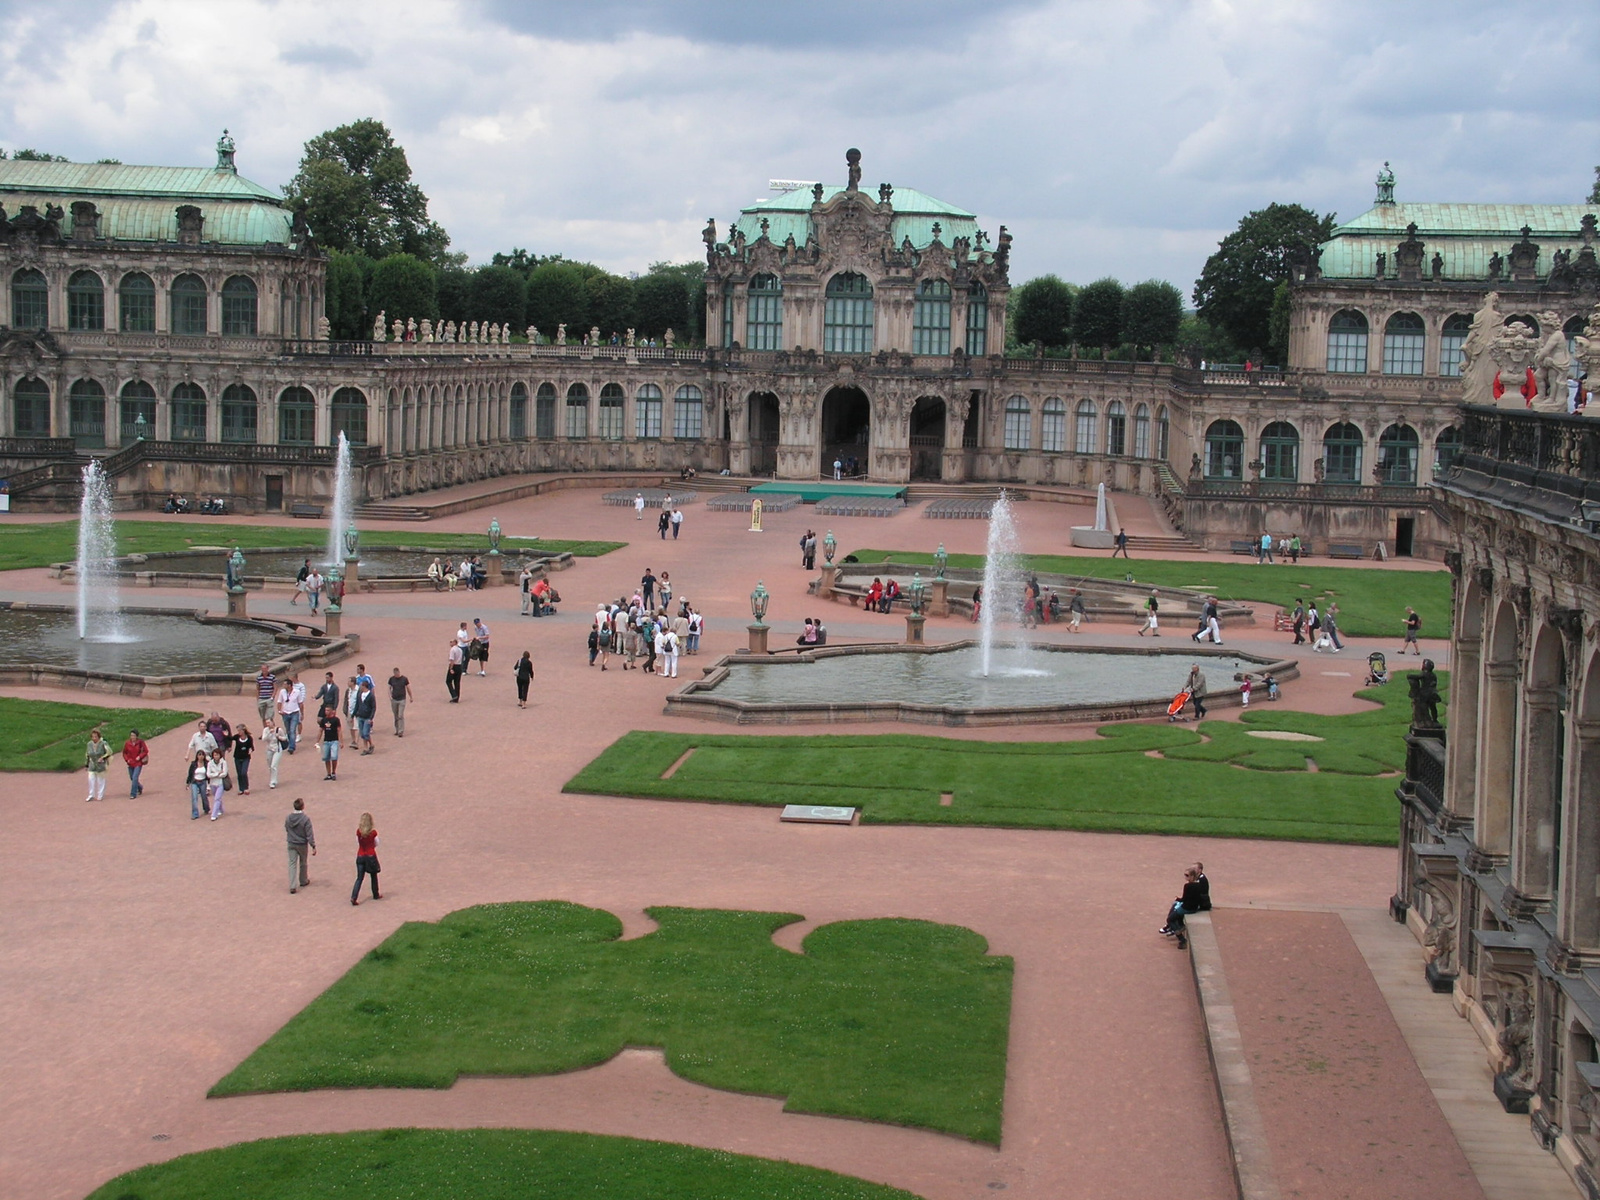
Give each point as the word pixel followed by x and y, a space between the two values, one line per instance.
pixel 1377 669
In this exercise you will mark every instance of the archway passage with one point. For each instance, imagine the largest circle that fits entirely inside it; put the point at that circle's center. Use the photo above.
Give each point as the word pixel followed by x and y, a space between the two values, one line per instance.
pixel 763 433
pixel 846 431
pixel 927 438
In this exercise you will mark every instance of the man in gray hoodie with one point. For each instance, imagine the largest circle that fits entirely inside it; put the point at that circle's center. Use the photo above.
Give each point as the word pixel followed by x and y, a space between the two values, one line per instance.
pixel 298 828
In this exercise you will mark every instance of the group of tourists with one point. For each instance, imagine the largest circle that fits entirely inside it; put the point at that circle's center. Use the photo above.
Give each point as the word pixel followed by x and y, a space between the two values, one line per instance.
pixel 1288 549
pixel 447 575
pixel 301 839
pixel 308 582
pixel 539 599
pixel 1321 629
pixel 646 625
pixel 467 646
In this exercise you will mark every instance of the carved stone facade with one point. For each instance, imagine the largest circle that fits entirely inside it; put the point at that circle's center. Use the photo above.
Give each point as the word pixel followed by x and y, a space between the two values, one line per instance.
pixel 1500 832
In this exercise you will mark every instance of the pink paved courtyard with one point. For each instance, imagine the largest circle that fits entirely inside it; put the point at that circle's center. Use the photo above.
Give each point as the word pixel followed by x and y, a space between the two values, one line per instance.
pixel 145 955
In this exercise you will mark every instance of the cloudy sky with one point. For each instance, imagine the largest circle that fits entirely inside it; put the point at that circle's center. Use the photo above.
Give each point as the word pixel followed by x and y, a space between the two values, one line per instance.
pixel 1117 138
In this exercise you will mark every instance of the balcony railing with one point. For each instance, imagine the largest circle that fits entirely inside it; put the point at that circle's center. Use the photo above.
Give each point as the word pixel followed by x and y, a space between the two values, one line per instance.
pixel 1425 770
pixel 37 447
pixel 232 452
pixel 1545 442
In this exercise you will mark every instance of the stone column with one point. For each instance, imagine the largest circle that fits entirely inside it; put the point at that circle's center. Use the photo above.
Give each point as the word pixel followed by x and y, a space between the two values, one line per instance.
pixel 758 638
pixel 738 434
pixel 940 604
pixel 1538 791
pixel 914 624
pixel 1578 915
pixel 1497 735
pixel 1461 752
pixel 955 427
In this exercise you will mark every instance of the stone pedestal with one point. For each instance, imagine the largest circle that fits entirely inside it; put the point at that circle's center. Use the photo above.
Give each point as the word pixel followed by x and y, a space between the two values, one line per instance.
pixel 758 638
pixel 495 567
pixel 825 585
pixel 236 604
pixel 333 622
pixel 352 568
pixel 940 605
pixel 914 623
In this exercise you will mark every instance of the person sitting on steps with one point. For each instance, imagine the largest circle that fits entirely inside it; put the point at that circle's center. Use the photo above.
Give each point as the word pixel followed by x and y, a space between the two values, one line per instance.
pixel 1196 897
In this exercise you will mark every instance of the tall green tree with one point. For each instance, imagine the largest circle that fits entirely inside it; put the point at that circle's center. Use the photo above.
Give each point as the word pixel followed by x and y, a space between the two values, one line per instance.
pixel 346 292
pixel 1234 291
pixel 661 302
pixel 1152 311
pixel 610 303
pixel 404 286
pixel 498 295
pixel 519 260
pixel 355 187
pixel 455 294
pixel 1041 311
pixel 1097 314
pixel 556 296
pixel 26 155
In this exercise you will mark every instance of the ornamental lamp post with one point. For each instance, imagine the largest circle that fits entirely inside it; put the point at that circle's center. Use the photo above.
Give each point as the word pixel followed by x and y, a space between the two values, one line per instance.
pixel 333 610
pixel 352 543
pixel 914 618
pixel 758 609
pixel 918 591
pixel 139 426
pixel 234 580
pixel 494 536
pixel 941 559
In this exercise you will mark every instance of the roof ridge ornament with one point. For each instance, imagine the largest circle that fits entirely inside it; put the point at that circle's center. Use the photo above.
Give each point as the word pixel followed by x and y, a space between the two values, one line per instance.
pixel 225 154
pixel 852 158
pixel 1385 185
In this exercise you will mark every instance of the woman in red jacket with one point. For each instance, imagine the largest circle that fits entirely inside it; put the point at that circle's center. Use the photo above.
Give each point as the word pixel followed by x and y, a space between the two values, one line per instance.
pixel 136 753
pixel 366 857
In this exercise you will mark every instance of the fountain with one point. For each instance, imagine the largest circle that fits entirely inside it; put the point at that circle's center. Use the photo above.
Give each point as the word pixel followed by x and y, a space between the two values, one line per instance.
pixel 1002 591
pixel 99 606
pixel 343 503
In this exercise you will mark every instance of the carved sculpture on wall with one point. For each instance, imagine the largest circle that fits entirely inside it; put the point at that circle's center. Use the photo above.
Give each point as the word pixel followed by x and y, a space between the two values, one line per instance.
pixel 1439 939
pixel 1515 991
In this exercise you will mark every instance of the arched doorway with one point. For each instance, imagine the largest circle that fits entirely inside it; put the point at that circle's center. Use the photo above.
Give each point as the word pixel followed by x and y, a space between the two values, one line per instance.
pixel 763 433
pixel 927 439
pixel 846 430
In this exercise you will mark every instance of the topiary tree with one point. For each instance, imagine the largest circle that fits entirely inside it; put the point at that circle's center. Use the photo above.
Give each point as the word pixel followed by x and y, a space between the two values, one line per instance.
pixel 1097 315
pixel 556 296
pixel 404 286
pixel 1152 311
pixel 1041 312
pixel 346 292
pixel 498 295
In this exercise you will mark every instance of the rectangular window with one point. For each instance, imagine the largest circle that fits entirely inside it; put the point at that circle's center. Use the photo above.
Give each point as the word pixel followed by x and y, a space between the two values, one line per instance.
pixel 188 313
pixel 978 326
pixel 519 416
pixel 1141 436
pixel 86 308
pixel 238 316
pixel 32 413
pixel 765 320
pixel 577 420
pixel 1347 353
pixel 647 417
pixel 687 418
pixel 1402 353
pixel 238 422
pixel 138 311
pixel 1341 462
pixel 1450 353
pixel 88 416
pixel 1017 428
pixel 544 417
pixel 188 420
pixel 727 316
pixel 1116 435
pixel 1280 461
pixel 30 307
pixel 847 325
pixel 132 429
pixel 930 326
pixel 1053 430
pixel 611 420
pixel 297 424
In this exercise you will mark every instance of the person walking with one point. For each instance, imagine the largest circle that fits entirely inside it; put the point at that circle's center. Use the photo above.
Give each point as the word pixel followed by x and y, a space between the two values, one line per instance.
pixel 314 589
pixel 1298 619
pixel 300 578
pixel 525 585
pixel 638 506
pixel 1076 611
pixel 664 591
pixel 677 523
pixel 399 694
pixel 1195 685
pixel 243 747
pixel 135 755
pixel 454 667
pixel 301 837
pixel 216 780
pixel 351 691
pixel 810 550
pixel 1152 624
pixel 266 692
pixel 328 695
pixel 272 747
pixel 1294 548
pixel 366 712
pixel 647 589
pixel 838 467
pixel 1314 626
pixel 480 639
pixel 1413 625
pixel 1266 549
pixel 524 678
pixel 202 741
pixel 329 727
pixel 1330 627
pixel 669 645
pixel 94 762
pixel 1121 546
pixel 196 779
pixel 663 523
pixel 366 858
pixel 291 702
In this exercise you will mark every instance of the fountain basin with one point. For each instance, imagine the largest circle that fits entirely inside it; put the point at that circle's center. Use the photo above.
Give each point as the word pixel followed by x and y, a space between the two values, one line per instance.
pixel 161 653
pixel 942 685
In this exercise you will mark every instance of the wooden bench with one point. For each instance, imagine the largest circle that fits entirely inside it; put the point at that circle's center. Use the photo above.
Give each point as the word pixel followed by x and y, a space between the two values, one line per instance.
pixel 1345 550
pixel 310 511
pixel 1250 548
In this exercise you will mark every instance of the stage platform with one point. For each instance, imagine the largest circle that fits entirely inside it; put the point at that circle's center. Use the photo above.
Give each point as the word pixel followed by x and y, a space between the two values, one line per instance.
pixel 822 489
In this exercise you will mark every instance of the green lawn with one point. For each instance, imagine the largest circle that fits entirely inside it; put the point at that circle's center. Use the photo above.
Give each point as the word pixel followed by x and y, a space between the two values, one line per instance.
pixel 1114 782
pixel 888 1020
pixel 480 1164
pixel 42 735
pixel 41 545
pixel 1372 602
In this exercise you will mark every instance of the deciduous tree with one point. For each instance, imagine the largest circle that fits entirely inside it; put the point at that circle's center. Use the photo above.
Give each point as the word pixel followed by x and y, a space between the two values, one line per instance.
pixel 498 295
pixel 346 292
pixel 1041 310
pixel 1152 311
pixel 1097 314
pixel 404 286
pixel 556 296
pixel 1234 291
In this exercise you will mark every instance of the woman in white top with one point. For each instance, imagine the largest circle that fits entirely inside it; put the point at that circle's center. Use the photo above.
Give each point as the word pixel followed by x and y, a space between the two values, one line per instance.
pixel 272 743
pixel 216 772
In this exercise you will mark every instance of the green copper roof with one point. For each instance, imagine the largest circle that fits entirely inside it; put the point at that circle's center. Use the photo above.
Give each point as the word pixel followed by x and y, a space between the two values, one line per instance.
pixel 914 216
pixel 140 203
pixel 1465 235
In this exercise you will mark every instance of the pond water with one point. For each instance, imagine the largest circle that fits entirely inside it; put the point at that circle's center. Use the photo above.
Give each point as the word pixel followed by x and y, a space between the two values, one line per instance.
pixel 375 564
pixel 153 644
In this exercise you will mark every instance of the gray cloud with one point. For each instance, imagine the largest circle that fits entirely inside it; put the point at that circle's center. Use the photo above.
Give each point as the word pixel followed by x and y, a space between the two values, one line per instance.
pixel 324 55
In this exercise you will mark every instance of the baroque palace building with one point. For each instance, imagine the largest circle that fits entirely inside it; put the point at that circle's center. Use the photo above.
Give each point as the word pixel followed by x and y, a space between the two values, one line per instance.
pixel 170 320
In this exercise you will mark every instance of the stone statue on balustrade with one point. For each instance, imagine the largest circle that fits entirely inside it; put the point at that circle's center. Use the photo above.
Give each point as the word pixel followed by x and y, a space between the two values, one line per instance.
pixel 426 330
pixel 378 328
pixel 1425 698
pixel 561 335
pixel 323 329
pixel 411 329
pixel 397 331
pixel 1513 351
pixel 1552 366
pixel 1477 367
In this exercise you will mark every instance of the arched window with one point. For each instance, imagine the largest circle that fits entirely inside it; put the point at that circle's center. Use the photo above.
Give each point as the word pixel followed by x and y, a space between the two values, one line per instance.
pixel 348 415
pixel 647 411
pixel 136 411
pixel 239 307
pixel 1086 428
pixel 1347 343
pixel 847 315
pixel 1163 433
pixel 86 414
pixel 1224 451
pixel 86 302
pixel 188 414
pixel 188 302
pixel 1446 449
pixel 30 401
pixel 1116 428
pixel 1280 452
pixel 136 304
pixel 727 315
pixel 1053 425
pixel 930 318
pixel 577 411
pixel 238 414
pixel 764 314
pixel 1405 340
pixel 1341 454
pixel 544 411
pixel 1019 423
pixel 688 414
pixel 612 399
pixel 1141 431
pixel 30 300
pixel 297 417
pixel 977 320
pixel 1397 456
pixel 1451 338
pixel 519 410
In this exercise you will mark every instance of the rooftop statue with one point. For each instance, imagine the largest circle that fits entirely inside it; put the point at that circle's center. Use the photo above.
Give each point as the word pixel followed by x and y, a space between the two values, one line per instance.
pixel 1385 185
pixel 853 158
